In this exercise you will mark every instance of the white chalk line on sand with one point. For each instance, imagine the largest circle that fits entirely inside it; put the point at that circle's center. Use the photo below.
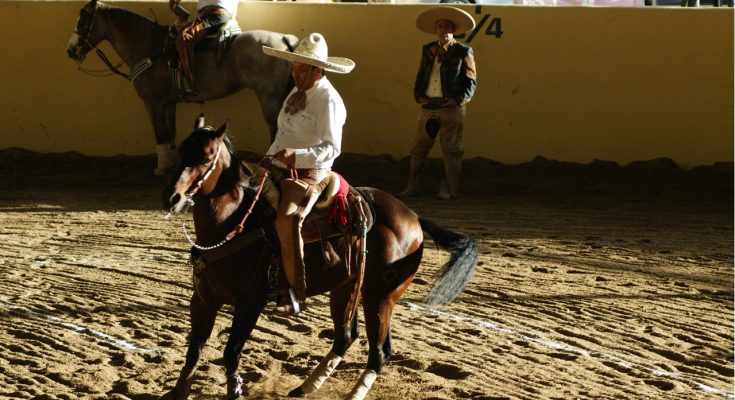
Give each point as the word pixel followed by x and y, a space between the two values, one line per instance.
pixel 553 345
pixel 107 338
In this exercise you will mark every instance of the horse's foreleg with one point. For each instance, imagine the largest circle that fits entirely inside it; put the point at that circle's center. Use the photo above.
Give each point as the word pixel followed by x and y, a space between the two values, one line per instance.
pixel 344 336
pixel 243 322
pixel 202 322
pixel 162 114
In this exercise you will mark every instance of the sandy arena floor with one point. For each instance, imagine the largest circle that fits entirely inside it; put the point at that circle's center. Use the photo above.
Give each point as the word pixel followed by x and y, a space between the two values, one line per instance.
pixel 595 282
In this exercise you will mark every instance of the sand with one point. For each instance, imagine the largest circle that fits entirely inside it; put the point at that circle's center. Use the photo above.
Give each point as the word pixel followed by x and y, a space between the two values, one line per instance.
pixel 595 281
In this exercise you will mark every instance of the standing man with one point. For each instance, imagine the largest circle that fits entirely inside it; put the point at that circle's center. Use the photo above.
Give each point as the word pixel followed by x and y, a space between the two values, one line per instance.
pixel 211 15
pixel 445 83
pixel 308 140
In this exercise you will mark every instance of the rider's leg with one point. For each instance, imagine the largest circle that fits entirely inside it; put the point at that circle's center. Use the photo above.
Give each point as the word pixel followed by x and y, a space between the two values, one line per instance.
pixel 185 44
pixel 297 199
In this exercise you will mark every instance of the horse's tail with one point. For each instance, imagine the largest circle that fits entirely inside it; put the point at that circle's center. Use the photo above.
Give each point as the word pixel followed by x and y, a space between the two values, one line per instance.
pixel 457 273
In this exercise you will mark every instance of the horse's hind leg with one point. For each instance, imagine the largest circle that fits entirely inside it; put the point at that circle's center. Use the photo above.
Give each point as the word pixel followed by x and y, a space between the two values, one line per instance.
pixel 202 322
pixel 378 312
pixel 246 315
pixel 343 339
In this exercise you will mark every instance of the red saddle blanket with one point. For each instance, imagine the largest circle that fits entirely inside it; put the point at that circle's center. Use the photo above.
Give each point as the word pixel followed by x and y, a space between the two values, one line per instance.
pixel 344 216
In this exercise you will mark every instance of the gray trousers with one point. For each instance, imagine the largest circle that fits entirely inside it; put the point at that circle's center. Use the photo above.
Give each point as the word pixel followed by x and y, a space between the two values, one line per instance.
pixel 451 124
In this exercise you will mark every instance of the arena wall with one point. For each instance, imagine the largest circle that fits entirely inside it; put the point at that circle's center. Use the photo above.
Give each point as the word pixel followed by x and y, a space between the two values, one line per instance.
pixel 571 84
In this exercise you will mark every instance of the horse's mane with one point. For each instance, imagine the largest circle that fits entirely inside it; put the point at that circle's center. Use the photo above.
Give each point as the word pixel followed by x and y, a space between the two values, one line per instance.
pixel 140 26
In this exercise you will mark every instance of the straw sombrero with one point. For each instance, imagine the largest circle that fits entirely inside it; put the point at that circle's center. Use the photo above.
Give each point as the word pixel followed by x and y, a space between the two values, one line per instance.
pixel 313 50
pixel 462 20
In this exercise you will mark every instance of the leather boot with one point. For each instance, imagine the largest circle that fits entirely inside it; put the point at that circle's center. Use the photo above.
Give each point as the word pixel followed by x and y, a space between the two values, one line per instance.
pixel 287 304
pixel 415 175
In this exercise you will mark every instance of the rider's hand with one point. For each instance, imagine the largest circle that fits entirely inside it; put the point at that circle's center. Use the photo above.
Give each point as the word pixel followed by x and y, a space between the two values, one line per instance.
pixel 265 162
pixel 286 156
pixel 423 100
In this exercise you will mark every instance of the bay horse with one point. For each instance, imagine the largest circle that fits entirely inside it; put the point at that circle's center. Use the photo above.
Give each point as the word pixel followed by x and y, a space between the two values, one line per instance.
pixel 224 191
pixel 137 39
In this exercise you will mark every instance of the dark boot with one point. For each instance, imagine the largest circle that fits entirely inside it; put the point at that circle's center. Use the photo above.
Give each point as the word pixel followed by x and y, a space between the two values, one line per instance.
pixel 287 304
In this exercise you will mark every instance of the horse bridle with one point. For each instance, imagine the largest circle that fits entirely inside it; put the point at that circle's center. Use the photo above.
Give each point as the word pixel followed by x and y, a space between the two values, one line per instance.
pixel 84 37
pixel 198 184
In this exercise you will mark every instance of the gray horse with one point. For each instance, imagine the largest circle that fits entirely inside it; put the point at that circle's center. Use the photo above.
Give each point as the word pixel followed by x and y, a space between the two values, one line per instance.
pixel 139 42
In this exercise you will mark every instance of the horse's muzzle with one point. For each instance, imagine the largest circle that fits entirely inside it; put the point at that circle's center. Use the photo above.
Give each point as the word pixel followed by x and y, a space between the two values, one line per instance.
pixel 177 203
pixel 75 53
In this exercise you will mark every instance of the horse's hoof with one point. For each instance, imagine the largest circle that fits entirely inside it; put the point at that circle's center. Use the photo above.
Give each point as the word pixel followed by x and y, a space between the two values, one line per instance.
pixel 296 393
pixel 234 387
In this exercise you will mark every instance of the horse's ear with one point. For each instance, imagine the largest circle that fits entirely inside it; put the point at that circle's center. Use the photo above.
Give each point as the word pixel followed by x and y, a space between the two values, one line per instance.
pixel 223 129
pixel 199 123
pixel 93 3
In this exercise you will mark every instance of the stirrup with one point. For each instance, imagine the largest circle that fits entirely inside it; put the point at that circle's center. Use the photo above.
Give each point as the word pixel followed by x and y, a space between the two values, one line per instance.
pixel 293 307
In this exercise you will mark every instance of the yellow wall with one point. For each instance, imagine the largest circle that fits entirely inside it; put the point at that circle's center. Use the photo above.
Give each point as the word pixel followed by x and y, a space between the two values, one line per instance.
pixel 570 84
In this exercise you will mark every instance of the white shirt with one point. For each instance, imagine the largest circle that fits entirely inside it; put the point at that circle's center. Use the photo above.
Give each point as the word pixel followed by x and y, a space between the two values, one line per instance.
pixel 229 5
pixel 434 89
pixel 314 133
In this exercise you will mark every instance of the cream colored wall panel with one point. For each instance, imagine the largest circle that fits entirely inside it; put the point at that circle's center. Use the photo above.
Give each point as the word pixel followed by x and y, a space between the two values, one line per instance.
pixel 570 84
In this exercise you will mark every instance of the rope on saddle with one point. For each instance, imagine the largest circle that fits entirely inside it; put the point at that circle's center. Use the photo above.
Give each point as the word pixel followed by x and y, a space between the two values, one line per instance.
pixel 361 261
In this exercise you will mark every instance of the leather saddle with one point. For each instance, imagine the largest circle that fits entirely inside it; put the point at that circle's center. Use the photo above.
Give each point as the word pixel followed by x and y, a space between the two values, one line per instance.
pixel 218 41
pixel 221 39
pixel 346 218
pixel 320 223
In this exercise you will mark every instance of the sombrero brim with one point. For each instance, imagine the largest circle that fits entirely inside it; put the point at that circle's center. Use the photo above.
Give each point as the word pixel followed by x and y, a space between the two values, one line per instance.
pixel 338 65
pixel 463 21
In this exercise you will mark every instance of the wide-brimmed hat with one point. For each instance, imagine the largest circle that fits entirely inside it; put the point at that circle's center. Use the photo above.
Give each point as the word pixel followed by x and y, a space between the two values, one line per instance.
pixel 313 50
pixel 462 20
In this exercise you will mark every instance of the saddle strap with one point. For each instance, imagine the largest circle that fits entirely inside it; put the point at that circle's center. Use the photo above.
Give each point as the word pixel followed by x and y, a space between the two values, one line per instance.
pixel 361 260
